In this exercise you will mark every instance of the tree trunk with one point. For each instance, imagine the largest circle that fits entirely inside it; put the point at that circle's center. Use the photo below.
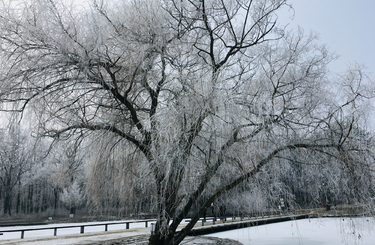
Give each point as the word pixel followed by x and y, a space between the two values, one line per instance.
pixel 37 198
pixel 55 199
pixel 18 202
pixel 7 203
pixel 159 239
pixel 8 197
pixel 156 239
pixel 73 210
pixel 161 236
pixel 30 199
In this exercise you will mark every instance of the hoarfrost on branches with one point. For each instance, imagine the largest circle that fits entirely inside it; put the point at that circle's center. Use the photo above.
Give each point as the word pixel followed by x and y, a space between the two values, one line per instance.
pixel 72 197
pixel 180 101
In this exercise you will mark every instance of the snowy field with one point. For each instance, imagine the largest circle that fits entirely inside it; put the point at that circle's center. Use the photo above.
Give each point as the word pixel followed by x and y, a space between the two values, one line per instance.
pixel 321 231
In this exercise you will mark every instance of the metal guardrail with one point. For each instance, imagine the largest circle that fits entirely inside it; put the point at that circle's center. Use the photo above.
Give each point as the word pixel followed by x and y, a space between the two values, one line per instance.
pixel 248 216
pixel 82 227
pixel 203 230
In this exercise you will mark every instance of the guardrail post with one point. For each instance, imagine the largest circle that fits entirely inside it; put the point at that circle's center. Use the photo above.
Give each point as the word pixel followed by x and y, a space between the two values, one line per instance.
pixel 146 224
pixel 106 227
pixel 22 234
pixel 82 229
pixel 55 232
pixel 202 222
pixel 213 221
pixel 127 225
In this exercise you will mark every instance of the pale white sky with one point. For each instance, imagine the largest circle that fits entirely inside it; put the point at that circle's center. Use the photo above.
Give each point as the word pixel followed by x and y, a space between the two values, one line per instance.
pixel 347 27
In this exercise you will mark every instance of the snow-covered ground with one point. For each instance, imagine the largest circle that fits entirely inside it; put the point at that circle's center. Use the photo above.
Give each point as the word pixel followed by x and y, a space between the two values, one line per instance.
pixel 66 231
pixel 333 231
pixel 321 231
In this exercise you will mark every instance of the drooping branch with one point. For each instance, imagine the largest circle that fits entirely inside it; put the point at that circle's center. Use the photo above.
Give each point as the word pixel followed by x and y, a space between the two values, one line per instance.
pixel 102 127
pixel 206 178
pixel 176 175
pixel 183 233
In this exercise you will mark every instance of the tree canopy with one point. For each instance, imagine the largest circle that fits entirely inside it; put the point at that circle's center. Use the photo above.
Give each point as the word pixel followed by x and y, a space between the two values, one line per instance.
pixel 202 94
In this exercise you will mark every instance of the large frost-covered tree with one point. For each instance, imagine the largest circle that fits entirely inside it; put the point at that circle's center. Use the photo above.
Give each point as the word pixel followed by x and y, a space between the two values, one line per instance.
pixel 203 93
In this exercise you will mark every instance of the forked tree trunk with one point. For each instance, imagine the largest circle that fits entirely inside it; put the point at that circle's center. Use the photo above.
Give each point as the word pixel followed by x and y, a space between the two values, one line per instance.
pixel 157 238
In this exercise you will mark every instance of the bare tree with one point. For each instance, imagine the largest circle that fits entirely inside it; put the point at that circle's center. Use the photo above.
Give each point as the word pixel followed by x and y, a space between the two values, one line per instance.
pixel 209 92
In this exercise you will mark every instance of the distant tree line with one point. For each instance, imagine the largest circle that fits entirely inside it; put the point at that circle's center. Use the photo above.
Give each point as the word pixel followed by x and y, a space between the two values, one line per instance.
pixel 37 181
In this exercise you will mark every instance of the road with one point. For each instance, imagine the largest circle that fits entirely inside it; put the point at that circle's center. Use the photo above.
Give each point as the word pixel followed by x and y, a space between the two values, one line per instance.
pixel 71 235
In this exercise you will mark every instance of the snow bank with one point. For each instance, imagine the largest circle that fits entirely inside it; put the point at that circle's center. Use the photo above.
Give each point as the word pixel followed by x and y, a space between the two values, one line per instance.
pixel 307 232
